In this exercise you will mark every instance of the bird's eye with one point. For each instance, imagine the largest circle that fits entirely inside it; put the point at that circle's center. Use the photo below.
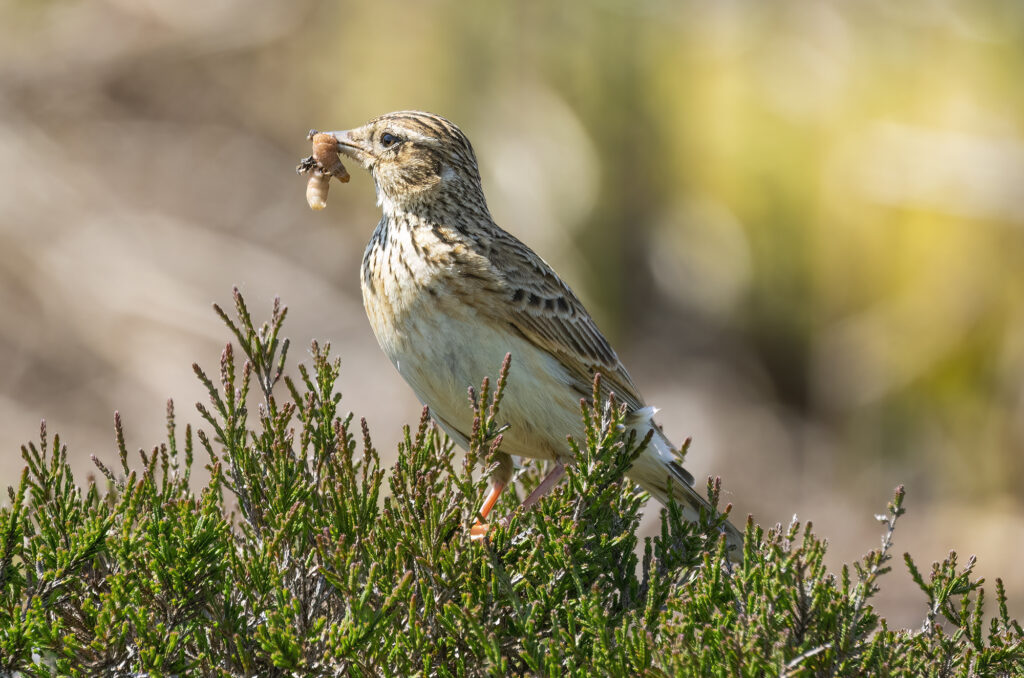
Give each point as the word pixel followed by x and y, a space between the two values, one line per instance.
pixel 387 140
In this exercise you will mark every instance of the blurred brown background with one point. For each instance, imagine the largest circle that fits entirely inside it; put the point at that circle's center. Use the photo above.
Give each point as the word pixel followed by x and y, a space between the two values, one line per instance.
pixel 800 223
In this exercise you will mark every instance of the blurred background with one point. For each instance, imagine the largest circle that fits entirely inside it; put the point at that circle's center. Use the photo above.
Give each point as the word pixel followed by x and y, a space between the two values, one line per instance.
pixel 801 224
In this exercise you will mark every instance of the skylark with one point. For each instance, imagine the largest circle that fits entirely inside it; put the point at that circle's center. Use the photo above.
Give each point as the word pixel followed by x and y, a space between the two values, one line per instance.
pixel 449 294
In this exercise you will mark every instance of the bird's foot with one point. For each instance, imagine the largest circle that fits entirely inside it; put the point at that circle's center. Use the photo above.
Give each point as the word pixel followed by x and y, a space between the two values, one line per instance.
pixel 479 531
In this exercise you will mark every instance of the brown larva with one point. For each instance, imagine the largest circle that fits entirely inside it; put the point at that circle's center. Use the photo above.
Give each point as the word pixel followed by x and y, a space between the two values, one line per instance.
pixel 321 166
pixel 325 152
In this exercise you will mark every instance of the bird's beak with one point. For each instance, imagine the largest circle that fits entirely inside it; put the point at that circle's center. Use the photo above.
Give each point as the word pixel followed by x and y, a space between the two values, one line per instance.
pixel 348 145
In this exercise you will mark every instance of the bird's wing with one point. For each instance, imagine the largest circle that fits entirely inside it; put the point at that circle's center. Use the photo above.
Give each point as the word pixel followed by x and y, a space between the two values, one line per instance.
pixel 542 308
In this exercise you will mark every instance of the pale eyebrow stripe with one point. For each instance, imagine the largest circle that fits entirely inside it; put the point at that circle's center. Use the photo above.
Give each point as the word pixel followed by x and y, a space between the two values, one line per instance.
pixel 416 135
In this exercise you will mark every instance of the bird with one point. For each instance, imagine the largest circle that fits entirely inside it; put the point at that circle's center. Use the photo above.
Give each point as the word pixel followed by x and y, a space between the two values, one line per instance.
pixel 449 294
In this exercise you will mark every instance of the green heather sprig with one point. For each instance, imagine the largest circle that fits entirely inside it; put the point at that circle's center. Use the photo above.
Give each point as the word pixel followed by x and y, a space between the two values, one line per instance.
pixel 288 558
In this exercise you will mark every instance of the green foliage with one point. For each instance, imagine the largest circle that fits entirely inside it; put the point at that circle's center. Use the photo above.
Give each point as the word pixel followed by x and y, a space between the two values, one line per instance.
pixel 290 560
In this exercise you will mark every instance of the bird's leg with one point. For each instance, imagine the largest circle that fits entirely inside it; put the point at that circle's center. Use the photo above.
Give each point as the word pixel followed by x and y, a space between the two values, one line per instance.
pixel 479 528
pixel 502 475
pixel 550 480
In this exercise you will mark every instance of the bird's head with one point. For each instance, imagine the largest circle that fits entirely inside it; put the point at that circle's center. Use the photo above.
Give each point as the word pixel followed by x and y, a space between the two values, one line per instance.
pixel 415 158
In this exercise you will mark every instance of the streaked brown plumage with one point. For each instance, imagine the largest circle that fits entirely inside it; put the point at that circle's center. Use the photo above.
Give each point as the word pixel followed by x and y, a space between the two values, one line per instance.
pixel 449 293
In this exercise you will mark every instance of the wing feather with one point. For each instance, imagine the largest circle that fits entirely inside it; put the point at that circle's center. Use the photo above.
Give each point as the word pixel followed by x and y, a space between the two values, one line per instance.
pixel 535 302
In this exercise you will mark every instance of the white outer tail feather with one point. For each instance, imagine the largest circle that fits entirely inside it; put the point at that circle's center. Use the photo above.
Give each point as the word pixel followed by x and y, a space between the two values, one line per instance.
pixel 659 470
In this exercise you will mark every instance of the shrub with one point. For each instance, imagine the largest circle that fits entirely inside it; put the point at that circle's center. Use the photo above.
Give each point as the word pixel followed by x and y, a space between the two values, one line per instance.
pixel 292 560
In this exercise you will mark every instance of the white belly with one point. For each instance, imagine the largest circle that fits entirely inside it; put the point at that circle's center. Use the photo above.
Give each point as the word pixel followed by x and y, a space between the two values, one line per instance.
pixel 441 347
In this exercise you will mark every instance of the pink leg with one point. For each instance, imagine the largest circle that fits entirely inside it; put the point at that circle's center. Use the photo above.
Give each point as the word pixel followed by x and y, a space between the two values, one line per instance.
pixel 550 480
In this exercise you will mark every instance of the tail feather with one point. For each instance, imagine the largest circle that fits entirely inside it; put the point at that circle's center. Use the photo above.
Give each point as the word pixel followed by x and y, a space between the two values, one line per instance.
pixel 659 470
